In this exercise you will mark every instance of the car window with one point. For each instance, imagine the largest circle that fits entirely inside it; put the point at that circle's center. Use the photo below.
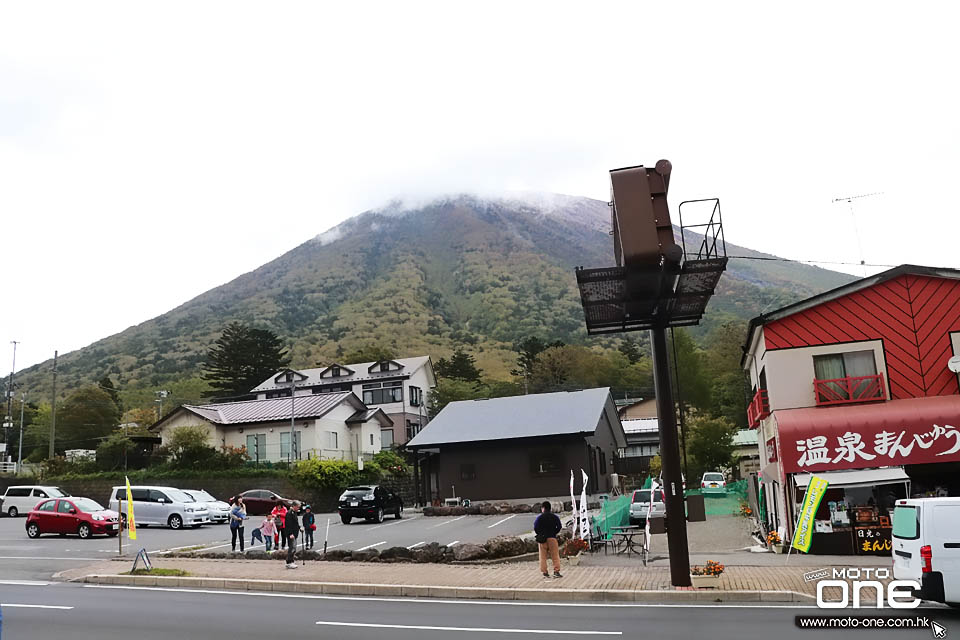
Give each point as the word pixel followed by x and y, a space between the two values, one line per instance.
pixel 178 496
pixel 18 492
pixel 40 493
pixel 64 507
pixel 87 505
pixel 56 493
pixel 906 522
pixel 712 477
pixel 47 506
pixel 140 495
pixel 158 496
pixel 203 496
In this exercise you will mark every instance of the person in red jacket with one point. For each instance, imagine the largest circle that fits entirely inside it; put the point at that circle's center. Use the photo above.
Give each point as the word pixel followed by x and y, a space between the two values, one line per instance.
pixel 279 514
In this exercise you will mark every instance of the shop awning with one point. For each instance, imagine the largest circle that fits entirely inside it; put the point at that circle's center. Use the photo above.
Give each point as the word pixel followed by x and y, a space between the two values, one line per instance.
pixel 894 433
pixel 857 478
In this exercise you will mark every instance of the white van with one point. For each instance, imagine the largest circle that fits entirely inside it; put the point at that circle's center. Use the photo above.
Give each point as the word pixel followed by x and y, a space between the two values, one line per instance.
pixel 165 506
pixel 926 546
pixel 20 500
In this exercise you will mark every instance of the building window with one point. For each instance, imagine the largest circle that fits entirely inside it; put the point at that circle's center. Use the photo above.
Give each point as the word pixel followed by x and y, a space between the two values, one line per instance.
pixel 468 472
pixel 371 439
pixel 544 463
pixel 285 451
pixel 382 392
pixel 603 461
pixel 335 372
pixel 416 396
pixel 829 370
pixel 384 366
pixel 332 440
pixel 413 429
pixel 257 446
pixel 331 388
pixel 386 438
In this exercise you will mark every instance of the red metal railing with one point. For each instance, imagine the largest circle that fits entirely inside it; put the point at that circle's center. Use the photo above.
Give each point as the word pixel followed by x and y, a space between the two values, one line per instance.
pixel 758 409
pixel 850 390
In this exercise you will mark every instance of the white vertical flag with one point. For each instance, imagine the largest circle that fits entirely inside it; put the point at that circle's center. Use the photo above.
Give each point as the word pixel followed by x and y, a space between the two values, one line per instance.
pixel 584 515
pixel 646 528
pixel 573 503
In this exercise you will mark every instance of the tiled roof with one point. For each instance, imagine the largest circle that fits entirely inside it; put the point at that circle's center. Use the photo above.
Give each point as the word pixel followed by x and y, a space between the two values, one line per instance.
pixel 313 406
pixel 359 374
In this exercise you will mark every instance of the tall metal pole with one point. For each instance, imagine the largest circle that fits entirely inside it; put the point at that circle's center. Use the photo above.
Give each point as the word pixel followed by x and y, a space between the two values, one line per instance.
pixel 293 406
pixel 9 414
pixel 23 401
pixel 53 408
pixel 670 462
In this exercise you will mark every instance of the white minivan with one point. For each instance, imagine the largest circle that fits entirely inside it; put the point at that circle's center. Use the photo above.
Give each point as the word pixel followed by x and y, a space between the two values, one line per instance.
pixel 20 500
pixel 926 546
pixel 160 505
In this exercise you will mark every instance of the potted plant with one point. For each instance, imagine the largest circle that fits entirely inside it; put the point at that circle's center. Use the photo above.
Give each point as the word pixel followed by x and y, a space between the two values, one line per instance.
pixel 774 542
pixel 572 550
pixel 707 576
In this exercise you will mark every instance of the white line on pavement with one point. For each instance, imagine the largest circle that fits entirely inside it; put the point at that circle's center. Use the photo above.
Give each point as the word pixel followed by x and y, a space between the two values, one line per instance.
pixel 502 521
pixel 393 523
pixel 419 544
pixel 334 546
pixel 44 558
pixel 371 625
pixel 371 546
pixel 500 603
pixel 24 583
pixel 447 522
pixel 35 606
pixel 455 542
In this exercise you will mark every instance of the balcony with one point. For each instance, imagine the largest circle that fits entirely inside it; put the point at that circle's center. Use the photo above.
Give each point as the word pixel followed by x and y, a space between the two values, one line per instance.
pixel 758 409
pixel 850 390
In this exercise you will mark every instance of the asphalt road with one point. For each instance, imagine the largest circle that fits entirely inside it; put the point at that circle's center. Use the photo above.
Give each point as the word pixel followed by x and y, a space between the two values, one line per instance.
pixel 24 559
pixel 81 612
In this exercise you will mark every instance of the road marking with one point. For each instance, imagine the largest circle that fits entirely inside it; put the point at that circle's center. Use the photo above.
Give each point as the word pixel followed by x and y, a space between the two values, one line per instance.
pixel 455 542
pixel 500 603
pixel 371 625
pixel 371 546
pixel 186 546
pixel 24 583
pixel 502 521
pixel 334 546
pixel 447 522
pixel 393 523
pixel 44 558
pixel 35 606
pixel 421 543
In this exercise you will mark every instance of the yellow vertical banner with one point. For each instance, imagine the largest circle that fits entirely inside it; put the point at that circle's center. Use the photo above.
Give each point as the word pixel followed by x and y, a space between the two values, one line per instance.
pixel 131 523
pixel 803 534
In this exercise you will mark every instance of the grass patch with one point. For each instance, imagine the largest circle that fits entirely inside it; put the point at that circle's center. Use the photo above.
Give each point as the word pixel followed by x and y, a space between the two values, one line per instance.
pixel 156 571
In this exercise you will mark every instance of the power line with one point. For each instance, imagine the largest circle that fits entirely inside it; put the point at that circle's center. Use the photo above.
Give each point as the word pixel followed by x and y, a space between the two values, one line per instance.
pixel 776 259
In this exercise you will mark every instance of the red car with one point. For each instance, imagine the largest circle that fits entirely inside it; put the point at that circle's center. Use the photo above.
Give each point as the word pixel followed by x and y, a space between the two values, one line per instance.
pixel 260 502
pixel 81 516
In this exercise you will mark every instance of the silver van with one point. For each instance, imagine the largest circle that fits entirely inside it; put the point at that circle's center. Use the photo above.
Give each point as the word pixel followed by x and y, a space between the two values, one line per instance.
pixel 165 506
pixel 20 500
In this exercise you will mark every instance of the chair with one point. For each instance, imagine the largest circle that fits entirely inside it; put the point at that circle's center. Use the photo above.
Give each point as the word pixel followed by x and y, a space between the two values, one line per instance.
pixel 600 539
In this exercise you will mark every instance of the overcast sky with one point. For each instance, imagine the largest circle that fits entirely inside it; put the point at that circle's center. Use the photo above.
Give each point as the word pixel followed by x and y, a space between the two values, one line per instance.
pixel 152 151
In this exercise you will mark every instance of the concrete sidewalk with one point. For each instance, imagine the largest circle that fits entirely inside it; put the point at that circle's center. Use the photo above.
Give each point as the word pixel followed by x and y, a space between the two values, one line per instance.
pixel 515 581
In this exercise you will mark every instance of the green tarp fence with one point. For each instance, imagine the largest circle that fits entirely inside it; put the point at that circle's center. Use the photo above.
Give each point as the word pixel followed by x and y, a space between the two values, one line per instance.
pixel 723 504
pixel 613 513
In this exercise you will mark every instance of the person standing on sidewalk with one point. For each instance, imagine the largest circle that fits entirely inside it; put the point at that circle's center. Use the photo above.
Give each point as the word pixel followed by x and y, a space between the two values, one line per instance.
pixel 280 514
pixel 547 526
pixel 237 515
pixel 291 529
pixel 308 526
pixel 269 530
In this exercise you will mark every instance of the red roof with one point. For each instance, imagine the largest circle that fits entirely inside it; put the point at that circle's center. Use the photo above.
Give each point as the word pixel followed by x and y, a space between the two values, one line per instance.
pixel 908 431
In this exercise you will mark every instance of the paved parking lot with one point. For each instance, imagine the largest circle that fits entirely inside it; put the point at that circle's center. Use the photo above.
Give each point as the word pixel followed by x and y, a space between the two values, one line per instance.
pixel 24 559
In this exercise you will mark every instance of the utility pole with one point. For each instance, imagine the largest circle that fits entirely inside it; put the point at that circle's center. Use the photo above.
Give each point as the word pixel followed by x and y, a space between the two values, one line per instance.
pixel 293 406
pixel 160 396
pixel 53 409
pixel 23 401
pixel 8 420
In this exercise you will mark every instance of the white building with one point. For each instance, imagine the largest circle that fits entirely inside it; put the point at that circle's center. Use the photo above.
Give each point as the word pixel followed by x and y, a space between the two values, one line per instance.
pixel 400 388
pixel 333 425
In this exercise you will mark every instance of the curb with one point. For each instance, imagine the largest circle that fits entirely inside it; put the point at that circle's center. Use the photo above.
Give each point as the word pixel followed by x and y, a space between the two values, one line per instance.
pixel 448 592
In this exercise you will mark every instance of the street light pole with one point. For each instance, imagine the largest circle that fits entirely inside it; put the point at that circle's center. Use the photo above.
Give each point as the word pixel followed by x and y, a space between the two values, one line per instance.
pixel 293 406
pixel 53 408
pixel 23 401
pixel 9 414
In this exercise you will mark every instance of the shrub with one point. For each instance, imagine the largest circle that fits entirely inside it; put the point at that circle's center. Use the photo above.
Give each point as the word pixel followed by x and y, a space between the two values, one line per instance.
pixel 334 474
pixel 574 546
pixel 712 568
pixel 391 462
pixel 773 538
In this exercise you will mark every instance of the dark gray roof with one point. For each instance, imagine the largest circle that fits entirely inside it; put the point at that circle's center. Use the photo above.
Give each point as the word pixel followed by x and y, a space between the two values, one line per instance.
pixel 542 414
pixel 313 406
pixel 363 416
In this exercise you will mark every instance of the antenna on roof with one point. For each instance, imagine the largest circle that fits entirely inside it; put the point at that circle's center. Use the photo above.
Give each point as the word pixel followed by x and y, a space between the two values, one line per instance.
pixel 849 200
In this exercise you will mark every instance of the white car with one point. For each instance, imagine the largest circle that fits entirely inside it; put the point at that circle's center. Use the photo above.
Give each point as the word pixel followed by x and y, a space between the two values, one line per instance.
pixel 165 506
pixel 20 500
pixel 713 482
pixel 926 546
pixel 218 509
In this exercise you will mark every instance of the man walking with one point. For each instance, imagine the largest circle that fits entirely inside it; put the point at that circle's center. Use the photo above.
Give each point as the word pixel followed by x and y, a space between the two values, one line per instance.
pixel 547 526
pixel 291 528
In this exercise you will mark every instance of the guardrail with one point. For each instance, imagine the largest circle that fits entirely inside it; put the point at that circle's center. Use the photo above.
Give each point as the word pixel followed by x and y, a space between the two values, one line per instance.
pixel 850 390
pixel 8 467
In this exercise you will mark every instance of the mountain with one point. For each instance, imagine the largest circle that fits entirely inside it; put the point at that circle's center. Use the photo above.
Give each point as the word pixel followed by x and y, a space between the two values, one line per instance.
pixel 421 278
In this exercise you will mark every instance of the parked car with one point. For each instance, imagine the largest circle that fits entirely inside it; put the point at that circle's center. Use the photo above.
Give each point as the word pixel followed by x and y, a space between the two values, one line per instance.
pixel 218 509
pixel 713 482
pixel 640 506
pixel 926 546
pixel 160 505
pixel 81 516
pixel 21 499
pixel 260 502
pixel 369 502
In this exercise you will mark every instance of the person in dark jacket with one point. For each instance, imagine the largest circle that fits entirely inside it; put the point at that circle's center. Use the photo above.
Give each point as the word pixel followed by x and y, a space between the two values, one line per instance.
pixel 291 528
pixel 547 526
pixel 308 526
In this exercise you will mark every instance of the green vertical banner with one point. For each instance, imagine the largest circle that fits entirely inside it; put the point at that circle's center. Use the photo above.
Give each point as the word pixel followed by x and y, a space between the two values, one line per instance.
pixel 803 534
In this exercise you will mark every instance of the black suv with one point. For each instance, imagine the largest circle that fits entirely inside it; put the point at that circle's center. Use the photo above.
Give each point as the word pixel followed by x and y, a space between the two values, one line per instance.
pixel 369 502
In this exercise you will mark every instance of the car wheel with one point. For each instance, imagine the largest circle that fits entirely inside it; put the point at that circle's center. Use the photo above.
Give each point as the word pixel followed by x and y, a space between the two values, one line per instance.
pixel 84 531
pixel 379 517
pixel 33 530
pixel 399 513
pixel 12 512
pixel 346 519
pixel 175 522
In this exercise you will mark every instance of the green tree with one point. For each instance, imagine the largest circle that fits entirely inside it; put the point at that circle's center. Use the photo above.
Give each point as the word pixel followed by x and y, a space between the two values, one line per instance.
pixel 369 353
pixel 452 390
pixel 189 447
pixel 688 366
pixel 118 451
pixel 86 416
pixel 242 358
pixel 528 350
pixel 107 385
pixel 722 366
pixel 631 349
pixel 710 445
pixel 460 366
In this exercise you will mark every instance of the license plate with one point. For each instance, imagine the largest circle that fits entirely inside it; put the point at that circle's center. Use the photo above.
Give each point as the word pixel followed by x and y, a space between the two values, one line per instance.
pixel 112 527
pixel 354 504
pixel 713 486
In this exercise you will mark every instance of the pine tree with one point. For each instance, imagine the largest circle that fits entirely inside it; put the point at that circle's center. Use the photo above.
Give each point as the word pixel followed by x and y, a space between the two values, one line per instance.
pixel 106 384
pixel 460 366
pixel 242 358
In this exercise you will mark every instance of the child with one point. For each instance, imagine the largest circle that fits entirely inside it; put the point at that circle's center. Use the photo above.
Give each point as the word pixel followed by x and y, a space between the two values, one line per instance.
pixel 308 527
pixel 256 534
pixel 269 530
